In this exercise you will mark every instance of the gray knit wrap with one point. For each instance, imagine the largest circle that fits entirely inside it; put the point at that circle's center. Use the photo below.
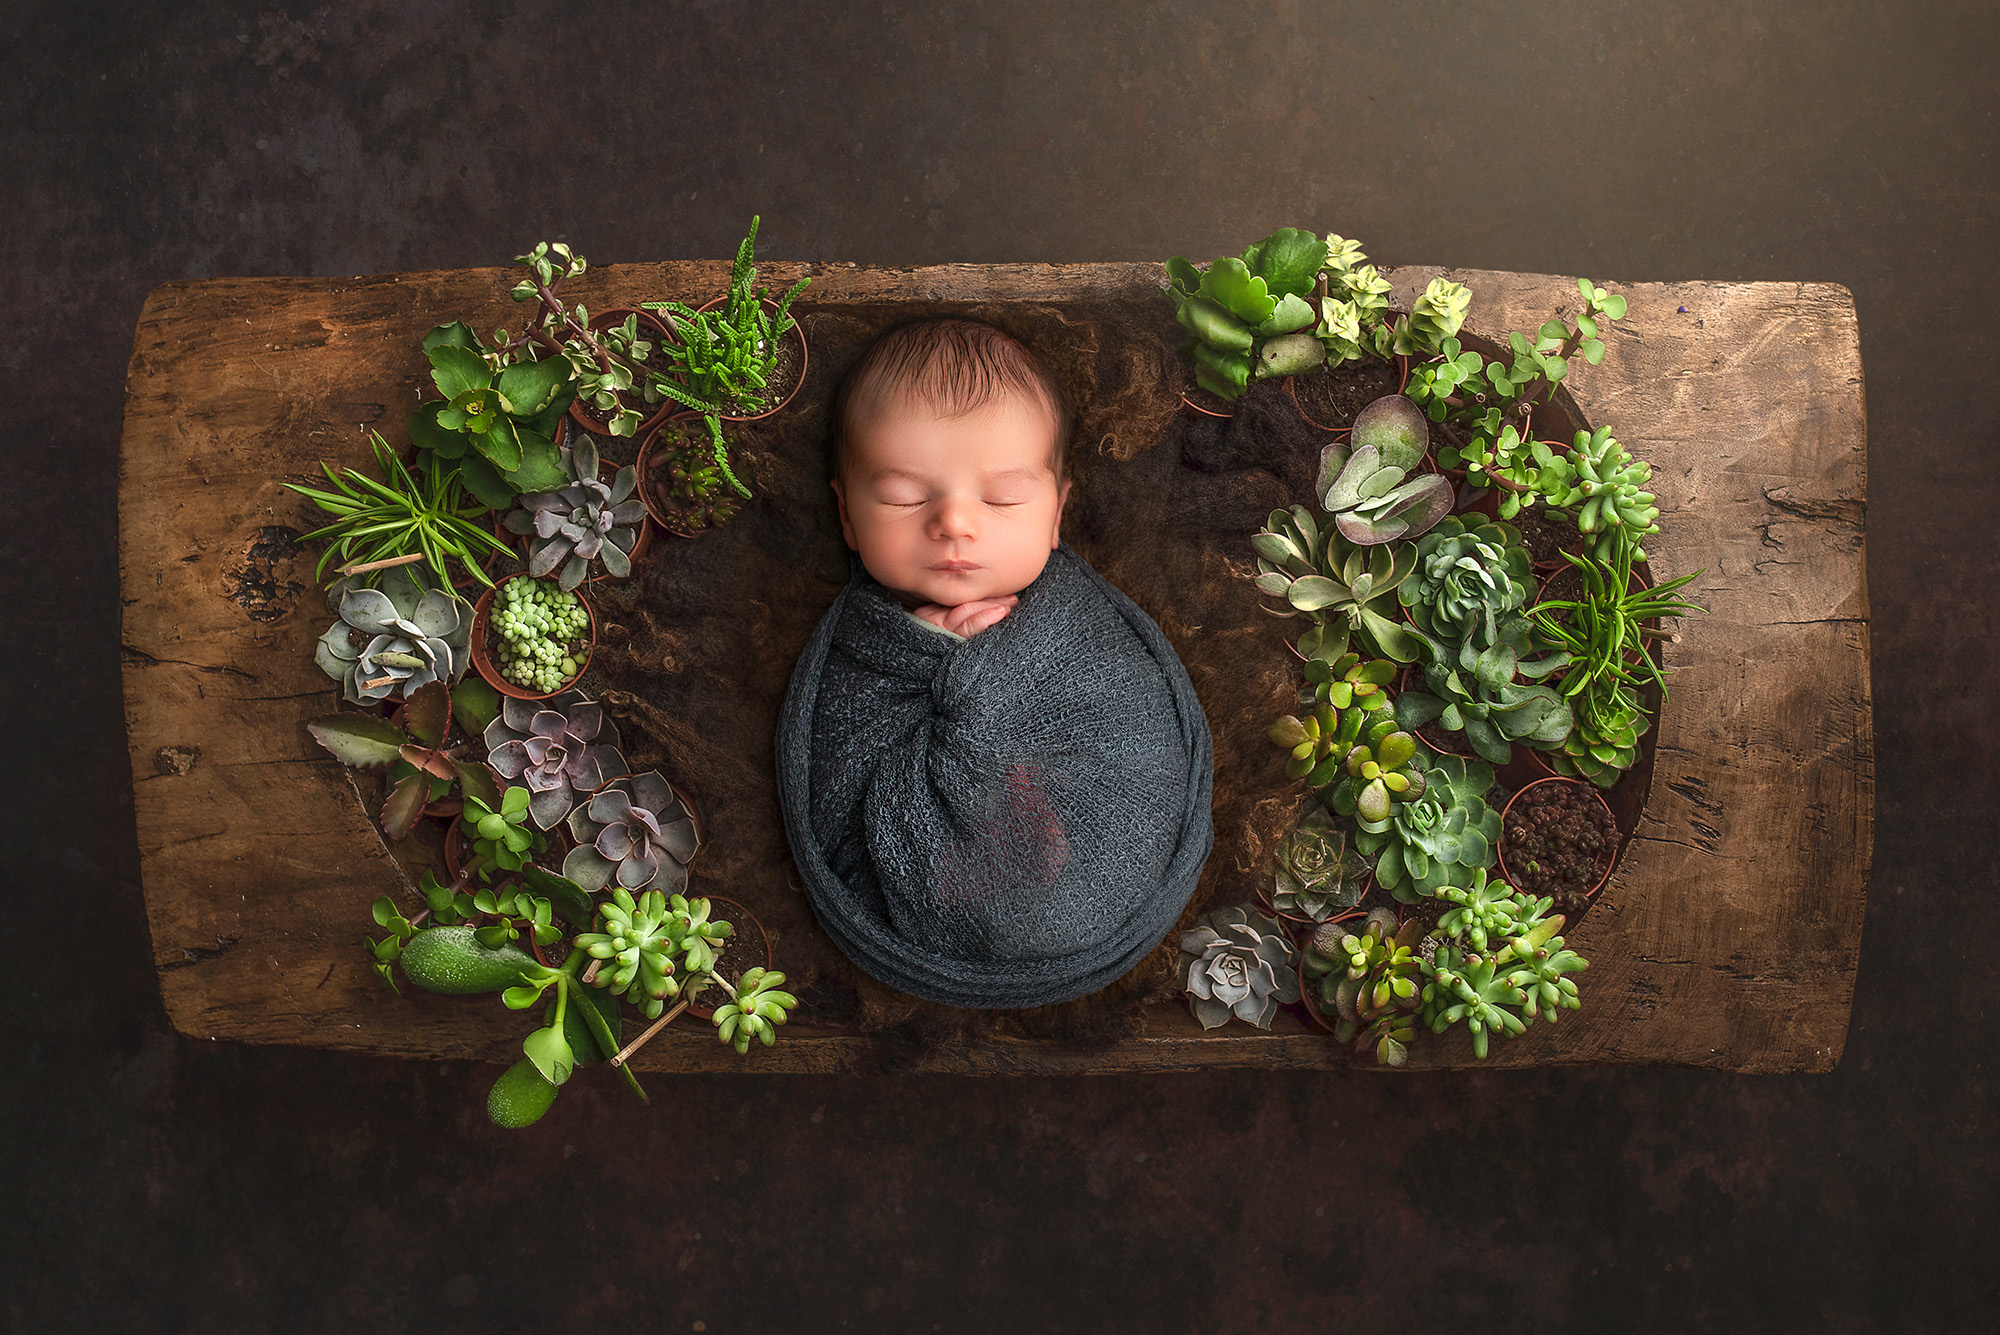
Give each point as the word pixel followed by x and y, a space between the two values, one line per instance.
pixel 1012 819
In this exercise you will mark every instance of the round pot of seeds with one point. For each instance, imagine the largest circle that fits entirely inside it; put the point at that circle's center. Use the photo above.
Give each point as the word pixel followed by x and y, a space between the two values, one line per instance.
pixel 537 654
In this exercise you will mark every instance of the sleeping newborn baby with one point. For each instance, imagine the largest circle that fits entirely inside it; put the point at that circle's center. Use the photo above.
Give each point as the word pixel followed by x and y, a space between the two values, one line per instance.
pixel 994 771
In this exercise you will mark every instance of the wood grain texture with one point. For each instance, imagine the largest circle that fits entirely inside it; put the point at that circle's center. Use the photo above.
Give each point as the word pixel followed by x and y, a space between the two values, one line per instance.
pixel 1728 938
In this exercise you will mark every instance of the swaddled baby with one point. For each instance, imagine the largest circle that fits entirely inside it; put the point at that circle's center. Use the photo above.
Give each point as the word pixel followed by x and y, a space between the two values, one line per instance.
pixel 994 771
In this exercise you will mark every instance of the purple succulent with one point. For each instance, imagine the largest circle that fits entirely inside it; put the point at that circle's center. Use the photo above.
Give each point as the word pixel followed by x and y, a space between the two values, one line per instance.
pixel 587 521
pixel 561 750
pixel 636 831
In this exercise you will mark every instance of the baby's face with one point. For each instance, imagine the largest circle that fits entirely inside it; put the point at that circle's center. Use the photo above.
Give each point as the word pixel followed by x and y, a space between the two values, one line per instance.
pixel 948 509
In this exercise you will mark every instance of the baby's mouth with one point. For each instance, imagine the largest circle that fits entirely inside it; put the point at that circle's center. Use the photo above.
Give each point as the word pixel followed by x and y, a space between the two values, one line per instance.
pixel 955 566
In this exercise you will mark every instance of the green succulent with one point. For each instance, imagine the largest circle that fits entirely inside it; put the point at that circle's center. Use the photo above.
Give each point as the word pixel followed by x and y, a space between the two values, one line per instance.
pixel 1377 772
pixel 1319 872
pixel 639 941
pixel 1434 316
pixel 1250 315
pixel 1342 695
pixel 1346 590
pixel 1486 703
pixel 1602 485
pixel 1604 742
pixel 725 357
pixel 1438 838
pixel 1472 989
pixel 1471 582
pixel 1604 630
pixel 501 836
pixel 1539 965
pixel 1370 981
pixel 1486 910
pixel 1369 483
pixel 754 1010
pixel 496 422
pixel 1497 964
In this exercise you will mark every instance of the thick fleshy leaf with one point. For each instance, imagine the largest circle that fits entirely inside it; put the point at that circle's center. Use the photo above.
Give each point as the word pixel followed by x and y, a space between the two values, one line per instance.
pixel 439 614
pixel 678 838
pixel 638 869
pixel 529 387
pixel 457 370
pixel 1288 260
pixel 590 871
pixel 615 842
pixel 479 783
pixel 405 806
pixel 1346 492
pixel 548 806
pixel 1309 593
pixel 501 447
pixel 428 715
pixel 363 740
pixel 1243 294
pixel 484 482
pixel 1396 428
pixel 369 609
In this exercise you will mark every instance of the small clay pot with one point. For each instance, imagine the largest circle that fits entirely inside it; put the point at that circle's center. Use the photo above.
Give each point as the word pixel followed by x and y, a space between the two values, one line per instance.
pixel 796 335
pixel 1307 987
pixel 662 333
pixel 1192 408
pixel 482 653
pixel 648 457
pixel 740 920
pixel 1609 862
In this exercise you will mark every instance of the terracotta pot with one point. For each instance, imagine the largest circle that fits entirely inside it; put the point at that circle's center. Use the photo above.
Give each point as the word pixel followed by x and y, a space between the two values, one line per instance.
pixel 1581 785
pixel 663 333
pixel 1193 409
pixel 654 508
pixel 741 920
pixel 482 653
pixel 1307 999
pixel 796 335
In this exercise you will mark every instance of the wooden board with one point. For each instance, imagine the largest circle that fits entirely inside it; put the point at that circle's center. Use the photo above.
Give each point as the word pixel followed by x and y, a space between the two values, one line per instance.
pixel 1728 938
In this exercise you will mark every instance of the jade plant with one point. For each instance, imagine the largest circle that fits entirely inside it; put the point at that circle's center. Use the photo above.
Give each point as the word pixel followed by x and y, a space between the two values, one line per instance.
pixel 1379 771
pixel 588 524
pixel 494 428
pixel 726 358
pixel 1439 837
pixel 561 750
pixel 1347 591
pixel 1319 872
pixel 394 640
pixel 1340 698
pixel 1602 486
pixel 636 832
pixel 404 517
pixel 1237 962
pixel 609 365
pixel 1367 482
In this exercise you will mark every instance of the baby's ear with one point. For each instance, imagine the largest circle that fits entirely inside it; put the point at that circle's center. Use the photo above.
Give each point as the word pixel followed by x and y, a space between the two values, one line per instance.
pixel 846 525
pixel 1062 498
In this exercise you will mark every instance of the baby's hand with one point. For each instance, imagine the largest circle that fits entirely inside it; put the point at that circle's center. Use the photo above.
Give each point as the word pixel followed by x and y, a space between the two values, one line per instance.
pixel 968 619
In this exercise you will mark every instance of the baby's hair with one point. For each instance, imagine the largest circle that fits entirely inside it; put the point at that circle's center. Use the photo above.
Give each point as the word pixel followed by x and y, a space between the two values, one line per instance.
pixel 952 366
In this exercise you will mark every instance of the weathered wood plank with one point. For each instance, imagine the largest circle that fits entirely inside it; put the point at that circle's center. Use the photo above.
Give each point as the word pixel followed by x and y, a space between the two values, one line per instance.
pixel 1729 938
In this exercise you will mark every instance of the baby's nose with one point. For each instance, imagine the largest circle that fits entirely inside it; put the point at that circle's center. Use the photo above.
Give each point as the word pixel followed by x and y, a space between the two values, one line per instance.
pixel 955 518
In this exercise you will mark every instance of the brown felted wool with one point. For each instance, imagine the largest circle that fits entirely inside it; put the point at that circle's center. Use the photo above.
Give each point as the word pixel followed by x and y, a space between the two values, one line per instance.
pixel 696 650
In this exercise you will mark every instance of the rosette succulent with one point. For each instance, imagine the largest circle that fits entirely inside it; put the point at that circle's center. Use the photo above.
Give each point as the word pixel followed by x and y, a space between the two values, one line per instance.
pixel 755 1007
pixel 1237 961
pixel 560 749
pixel 1603 485
pixel 635 831
pixel 637 947
pixel 396 639
pixel 1365 483
pixel 1520 973
pixel 589 522
pixel 1343 588
pixel 1604 742
pixel 1436 839
pixel 1319 872
pixel 1470 585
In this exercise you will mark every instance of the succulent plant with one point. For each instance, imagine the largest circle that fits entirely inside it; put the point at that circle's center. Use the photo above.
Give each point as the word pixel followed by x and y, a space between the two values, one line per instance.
pixel 1471 583
pixel 1538 967
pixel 1486 910
pixel 1365 483
pixel 756 1006
pixel 1346 590
pixel 589 522
pixel 396 639
pixel 639 940
pixel 1486 704
pixel 1604 742
pixel 1251 314
pixel 1434 316
pixel 1370 980
pixel 1319 872
pixel 1378 771
pixel 422 769
pixel 636 831
pixel 500 836
pixel 1497 963
pixel 1438 838
pixel 726 356
pixel 688 479
pixel 495 423
pixel 1603 485
pixel 1471 988
pixel 561 750
pixel 1341 696
pixel 1237 961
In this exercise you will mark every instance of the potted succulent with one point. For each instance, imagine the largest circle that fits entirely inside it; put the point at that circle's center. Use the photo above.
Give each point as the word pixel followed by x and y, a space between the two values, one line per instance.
pixel 494 428
pixel 392 641
pixel 740 356
pixel 638 832
pixel 1319 873
pixel 589 524
pixel 532 638
pixel 422 770
pixel 561 750
pixel 609 353
pixel 682 471
pixel 1368 981
pixel 1237 962
pixel 1558 839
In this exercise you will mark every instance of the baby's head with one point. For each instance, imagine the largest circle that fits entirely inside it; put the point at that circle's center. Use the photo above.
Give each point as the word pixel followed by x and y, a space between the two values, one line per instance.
pixel 950 445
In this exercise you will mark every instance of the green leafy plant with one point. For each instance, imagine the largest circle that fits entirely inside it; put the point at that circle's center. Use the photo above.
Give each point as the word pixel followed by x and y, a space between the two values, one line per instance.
pixel 1362 482
pixel 423 515
pixel 1497 964
pixel 1604 630
pixel 1370 980
pixel 1319 871
pixel 1347 591
pixel 1601 485
pixel 725 358
pixel 494 427
pixel 609 364
pixel 1439 837
pixel 1604 742
pixel 501 837
pixel 1379 771
pixel 1341 696
pixel 422 770
pixel 1251 314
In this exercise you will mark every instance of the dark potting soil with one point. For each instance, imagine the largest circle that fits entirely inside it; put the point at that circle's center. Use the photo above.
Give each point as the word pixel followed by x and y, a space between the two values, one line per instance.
pixel 1332 399
pixel 1559 841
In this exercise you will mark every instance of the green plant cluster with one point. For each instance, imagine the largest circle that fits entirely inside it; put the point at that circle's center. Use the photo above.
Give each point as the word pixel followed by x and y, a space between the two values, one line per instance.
pixel 1497 964
pixel 725 358
pixel 425 512
pixel 541 628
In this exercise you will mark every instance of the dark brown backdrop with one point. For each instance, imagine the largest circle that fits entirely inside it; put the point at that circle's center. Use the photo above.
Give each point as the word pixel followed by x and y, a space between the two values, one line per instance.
pixel 166 1185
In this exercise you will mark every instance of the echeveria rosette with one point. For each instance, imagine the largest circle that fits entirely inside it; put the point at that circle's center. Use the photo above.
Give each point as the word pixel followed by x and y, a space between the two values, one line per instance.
pixel 635 831
pixel 1237 961
pixel 1604 742
pixel 1470 583
pixel 587 522
pixel 561 750
pixel 1319 872
pixel 396 639
pixel 1437 839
